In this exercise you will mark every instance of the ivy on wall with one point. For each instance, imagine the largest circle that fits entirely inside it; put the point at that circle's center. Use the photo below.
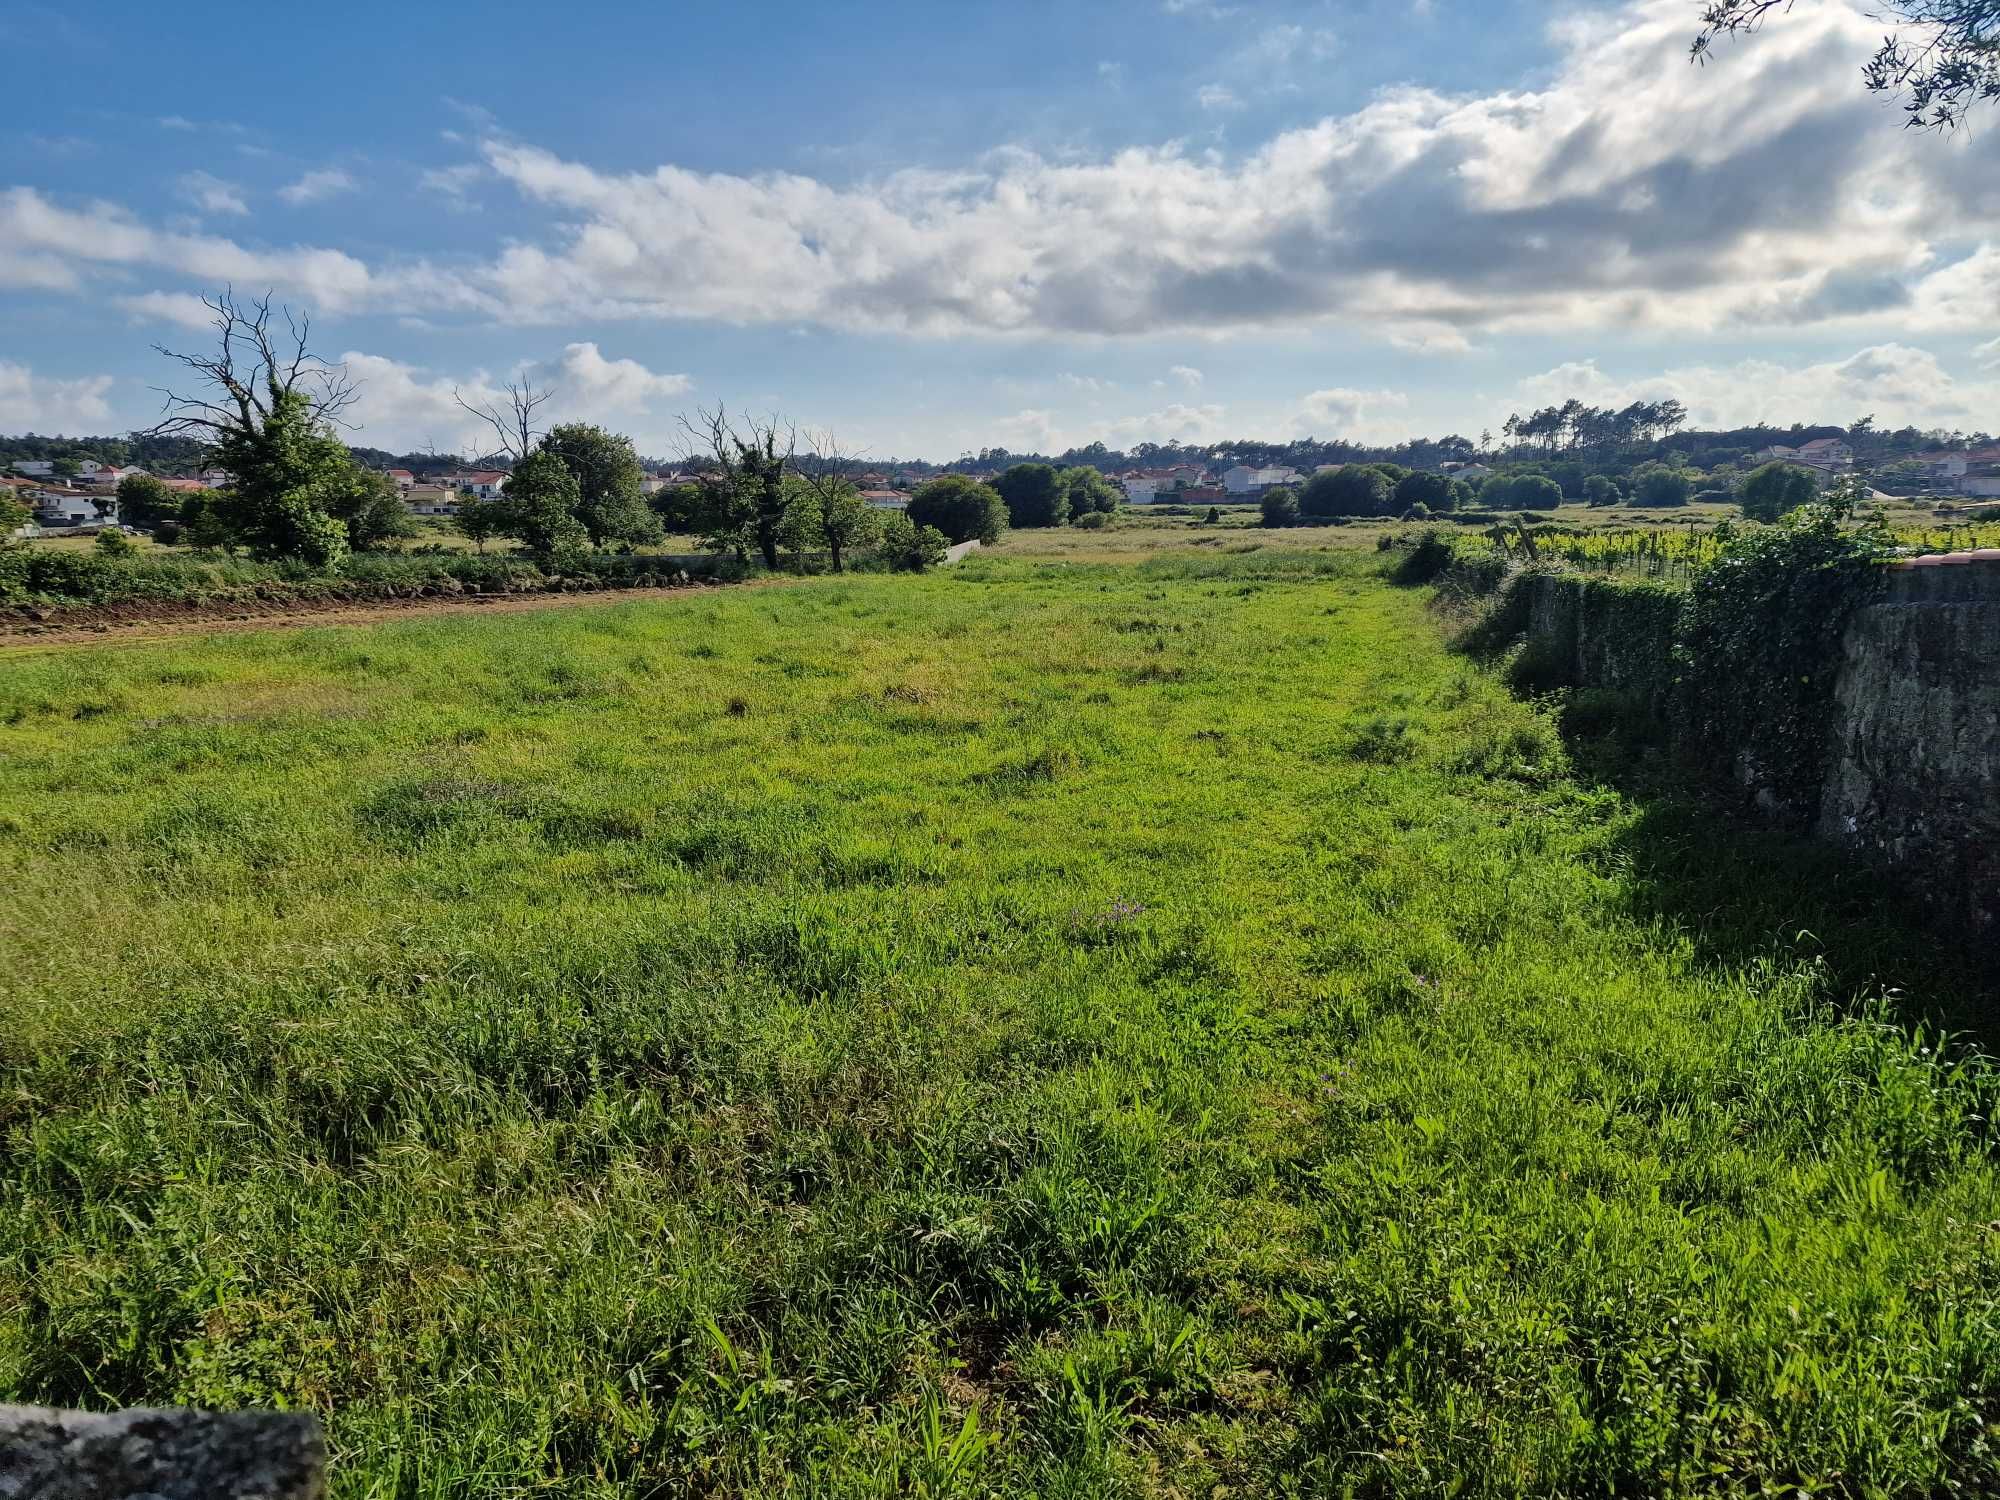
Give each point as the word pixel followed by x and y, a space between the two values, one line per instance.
pixel 1759 652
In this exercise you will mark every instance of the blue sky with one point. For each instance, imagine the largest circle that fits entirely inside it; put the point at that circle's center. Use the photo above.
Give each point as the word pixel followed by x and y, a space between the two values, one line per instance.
pixel 940 227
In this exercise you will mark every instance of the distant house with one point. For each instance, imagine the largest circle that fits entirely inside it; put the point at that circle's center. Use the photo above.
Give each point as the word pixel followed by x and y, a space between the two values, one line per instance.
pixel 432 500
pixel 1202 494
pixel 55 507
pixel 885 499
pixel 1139 490
pixel 35 468
pixel 1471 473
pixel 217 479
pixel 1820 453
pixel 402 479
pixel 1243 480
pixel 485 483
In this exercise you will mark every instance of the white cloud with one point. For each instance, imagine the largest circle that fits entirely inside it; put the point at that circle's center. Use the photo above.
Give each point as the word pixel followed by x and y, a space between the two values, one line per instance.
pixel 1187 375
pixel 40 403
pixel 1988 355
pixel 183 309
pixel 1359 416
pixel 177 122
pixel 1215 97
pixel 1900 385
pixel 1091 383
pixel 322 182
pixel 212 195
pixel 406 407
pixel 1627 191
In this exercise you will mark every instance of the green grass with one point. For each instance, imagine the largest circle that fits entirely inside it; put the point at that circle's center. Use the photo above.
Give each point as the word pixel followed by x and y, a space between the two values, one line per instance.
pixel 1052 1029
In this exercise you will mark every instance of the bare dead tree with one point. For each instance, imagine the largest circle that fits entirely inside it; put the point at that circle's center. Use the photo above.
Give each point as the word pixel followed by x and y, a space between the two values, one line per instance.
pixel 250 373
pixel 515 423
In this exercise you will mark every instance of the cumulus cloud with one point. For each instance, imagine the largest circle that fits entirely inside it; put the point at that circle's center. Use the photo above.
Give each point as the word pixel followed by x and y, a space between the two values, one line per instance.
pixel 322 182
pixel 1359 416
pixel 405 406
pixel 182 309
pixel 1896 383
pixel 212 195
pixel 40 403
pixel 1187 375
pixel 1627 191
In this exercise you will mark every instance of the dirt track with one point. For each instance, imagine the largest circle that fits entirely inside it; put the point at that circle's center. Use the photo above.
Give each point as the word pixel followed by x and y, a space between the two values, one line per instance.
pixel 132 623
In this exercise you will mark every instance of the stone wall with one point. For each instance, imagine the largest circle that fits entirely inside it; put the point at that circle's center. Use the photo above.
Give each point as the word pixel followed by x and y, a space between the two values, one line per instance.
pixel 174 1454
pixel 1914 769
pixel 1913 763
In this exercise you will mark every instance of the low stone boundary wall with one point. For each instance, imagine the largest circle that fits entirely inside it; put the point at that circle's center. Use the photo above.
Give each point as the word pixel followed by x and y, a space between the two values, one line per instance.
pixel 1913 759
pixel 172 1454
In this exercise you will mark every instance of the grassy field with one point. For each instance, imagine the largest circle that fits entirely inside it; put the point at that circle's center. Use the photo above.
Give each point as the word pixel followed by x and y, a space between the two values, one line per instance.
pixel 1100 1025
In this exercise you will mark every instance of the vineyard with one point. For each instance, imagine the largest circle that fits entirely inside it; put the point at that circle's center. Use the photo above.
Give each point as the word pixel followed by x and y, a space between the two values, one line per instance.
pixel 1677 553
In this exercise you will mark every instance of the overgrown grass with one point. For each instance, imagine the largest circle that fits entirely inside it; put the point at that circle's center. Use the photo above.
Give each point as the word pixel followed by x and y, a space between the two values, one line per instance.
pixel 1032 1029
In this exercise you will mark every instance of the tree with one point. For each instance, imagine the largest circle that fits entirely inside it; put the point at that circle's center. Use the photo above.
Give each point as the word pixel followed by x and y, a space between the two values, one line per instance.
pixel 1432 491
pixel 65 467
pixel 542 498
pixel 1279 507
pixel 963 509
pixel 610 479
pixel 1350 490
pixel 1034 496
pixel 840 517
pixel 1087 490
pixel 513 421
pixel 14 514
pixel 1601 490
pixel 749 477
pixel 479 521
pixel 370 507
pixel 146 501
pixel 1660 485
pixel 267 418
pixel 1942 58
pixel 1520 492
pixel 113 543
pixel 1769 492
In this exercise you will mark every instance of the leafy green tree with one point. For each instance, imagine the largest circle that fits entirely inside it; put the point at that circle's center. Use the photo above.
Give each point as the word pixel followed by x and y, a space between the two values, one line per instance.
pixel 206 523
pixel 1421 487
pixel 1600 490
pixel 1088 491
pixel 479 521
pixel 1520 492
pixel 1034 496
pixel 370 507
pixel 542 498
pixel 845 521
pixel 751 495
pixel 267 419
pixel 684 509
pixel 1280 507
pixel 65 468
pixel 963 509
pixel 1769 492
pixel 610 479
pixel 14 514
pixel 115 544
pixel 146 501
pixel 1659 484
pixel 1350 490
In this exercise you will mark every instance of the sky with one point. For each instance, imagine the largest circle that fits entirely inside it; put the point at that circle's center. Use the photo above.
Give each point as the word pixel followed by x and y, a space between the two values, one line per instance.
pixel 933 229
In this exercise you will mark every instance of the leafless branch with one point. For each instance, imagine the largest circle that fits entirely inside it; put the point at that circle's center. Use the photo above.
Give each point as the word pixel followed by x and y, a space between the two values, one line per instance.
pixel 515 425
pixel 247 374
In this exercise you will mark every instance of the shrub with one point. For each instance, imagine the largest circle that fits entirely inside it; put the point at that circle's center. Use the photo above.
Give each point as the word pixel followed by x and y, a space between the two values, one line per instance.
pixel 1520 492
pixel 963 509
pixel 1600 490
pixel 1432 554
pixel 1776 488
pixel 1280 507
pixel 1659 484
pixel 115 544
pixel 1034 496
pixel 1092 520
pixel 1350 490
pixel 1434 492
pixel 910 548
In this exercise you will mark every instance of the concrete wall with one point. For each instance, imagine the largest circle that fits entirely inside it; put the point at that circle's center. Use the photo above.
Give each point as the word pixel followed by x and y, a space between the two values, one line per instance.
pixel 1913 761
pixel 1913 773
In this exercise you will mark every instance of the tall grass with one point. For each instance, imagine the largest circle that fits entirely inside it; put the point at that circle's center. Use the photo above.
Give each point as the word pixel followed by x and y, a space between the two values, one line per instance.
pixel 1053 1030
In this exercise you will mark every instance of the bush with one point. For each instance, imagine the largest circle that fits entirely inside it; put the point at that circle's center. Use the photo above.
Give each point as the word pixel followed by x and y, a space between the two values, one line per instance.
pixel 115 544
pixel 1600 490
pixel 1434 492
pixel 1350 490
pixel 963 509
pixel 1092 520
pixel 1280 507
pixel 1433 553
pixel 1520 492
pixel 910 548
pixel 1659 484
pixel 168 533
pixel 1776 488
pixel 1034 496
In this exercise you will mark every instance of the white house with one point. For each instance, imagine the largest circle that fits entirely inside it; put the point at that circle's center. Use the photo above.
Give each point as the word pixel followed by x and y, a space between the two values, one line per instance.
pixel 1829 452
pixel 1243 480
pixel 485 483
pixel 1138 490
pixel 217 479
pixel 70 508
pixel 402 479
pixel 432 499
pixel 35 468
pixel 884 499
